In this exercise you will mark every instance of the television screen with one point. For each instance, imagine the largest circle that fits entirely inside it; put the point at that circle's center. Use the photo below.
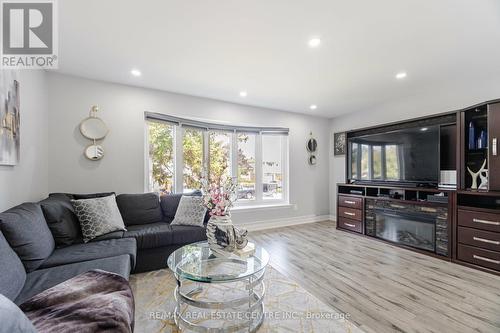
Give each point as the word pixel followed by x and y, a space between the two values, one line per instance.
pixel 407 155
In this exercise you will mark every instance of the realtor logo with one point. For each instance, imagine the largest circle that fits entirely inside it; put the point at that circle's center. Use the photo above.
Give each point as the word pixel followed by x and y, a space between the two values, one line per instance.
pixel 29 38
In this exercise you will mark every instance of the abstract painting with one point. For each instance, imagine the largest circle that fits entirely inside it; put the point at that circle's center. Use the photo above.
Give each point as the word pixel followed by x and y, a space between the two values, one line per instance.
pixel 9 118
pixel 339 144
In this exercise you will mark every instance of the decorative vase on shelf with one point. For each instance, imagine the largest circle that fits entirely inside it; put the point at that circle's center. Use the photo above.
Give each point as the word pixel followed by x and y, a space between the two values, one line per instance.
pixel 482 140
pixel 472 136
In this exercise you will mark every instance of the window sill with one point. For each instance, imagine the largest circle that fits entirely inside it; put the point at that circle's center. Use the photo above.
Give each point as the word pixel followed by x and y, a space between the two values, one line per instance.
pixel 248 208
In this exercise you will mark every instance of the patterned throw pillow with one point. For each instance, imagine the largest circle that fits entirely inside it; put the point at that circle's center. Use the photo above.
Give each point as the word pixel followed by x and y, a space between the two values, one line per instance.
pixel 190 211
pixel 98 216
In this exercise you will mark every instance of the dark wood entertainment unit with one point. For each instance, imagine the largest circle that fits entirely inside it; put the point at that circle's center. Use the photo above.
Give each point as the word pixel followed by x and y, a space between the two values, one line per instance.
pixel 461 225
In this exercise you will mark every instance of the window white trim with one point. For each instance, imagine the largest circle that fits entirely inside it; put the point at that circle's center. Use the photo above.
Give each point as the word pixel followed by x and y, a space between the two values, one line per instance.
pixel 178 159
pixel 179 128
pixel 245 208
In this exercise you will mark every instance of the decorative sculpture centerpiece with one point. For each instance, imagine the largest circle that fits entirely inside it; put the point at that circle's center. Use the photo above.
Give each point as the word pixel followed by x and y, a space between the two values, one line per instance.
pixel 482 173
pixel 223 237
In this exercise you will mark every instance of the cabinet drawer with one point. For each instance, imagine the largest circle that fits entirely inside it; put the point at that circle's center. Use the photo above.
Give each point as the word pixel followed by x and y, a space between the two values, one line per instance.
pixel 350 213
pixel 351 202
pixel 474 255
pixel 479 220
pixel 350 224
pixel 479 238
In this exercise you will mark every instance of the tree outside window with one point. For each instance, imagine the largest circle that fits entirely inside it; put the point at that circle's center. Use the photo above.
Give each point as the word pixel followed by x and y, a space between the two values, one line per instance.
pixel 161 156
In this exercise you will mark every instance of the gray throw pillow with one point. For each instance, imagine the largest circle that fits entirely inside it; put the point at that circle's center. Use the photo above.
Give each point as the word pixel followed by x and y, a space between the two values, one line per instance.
pixel 98 216
pixel 61 219
pixel 190 211
pixel 12 319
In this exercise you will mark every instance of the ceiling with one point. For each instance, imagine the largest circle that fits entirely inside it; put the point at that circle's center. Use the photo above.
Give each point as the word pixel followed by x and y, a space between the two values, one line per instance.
pixel 216 48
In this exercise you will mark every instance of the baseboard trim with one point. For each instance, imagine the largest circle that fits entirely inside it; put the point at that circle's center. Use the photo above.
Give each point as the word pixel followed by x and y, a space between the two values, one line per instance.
pixel 285 222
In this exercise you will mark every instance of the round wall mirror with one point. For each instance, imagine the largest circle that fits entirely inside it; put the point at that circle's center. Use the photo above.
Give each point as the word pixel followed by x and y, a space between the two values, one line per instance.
pixel 312 145
pixel 93 128
pixel 94 152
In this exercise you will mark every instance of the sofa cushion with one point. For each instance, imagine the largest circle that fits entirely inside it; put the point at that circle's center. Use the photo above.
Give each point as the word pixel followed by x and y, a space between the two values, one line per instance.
pixel 13 319
pixel 12 273
pixel 25 229
pixel 43 279
pixel 61 219
pixel 139 208
pixel 96 301
pixel 170 202
pixel 93 250
pixel 98 216
pixel 190 211
pixel 150 235
pixel 112 235
pixel 183 234
pixel 84 196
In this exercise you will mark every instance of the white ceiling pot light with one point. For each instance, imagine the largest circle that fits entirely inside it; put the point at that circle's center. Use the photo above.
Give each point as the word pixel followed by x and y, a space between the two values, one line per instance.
pixel 314 42
pixel 243 93
pixel 401 75
pixel 313 107
pixel 135 72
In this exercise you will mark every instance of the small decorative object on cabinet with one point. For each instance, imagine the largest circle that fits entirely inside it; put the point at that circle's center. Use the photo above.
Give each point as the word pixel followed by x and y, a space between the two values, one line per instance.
pixel 312 146
pixel 94 128
pixel 223 237
pixel 482 140
pixel 339 141
pixel 475 175
pixel 472 136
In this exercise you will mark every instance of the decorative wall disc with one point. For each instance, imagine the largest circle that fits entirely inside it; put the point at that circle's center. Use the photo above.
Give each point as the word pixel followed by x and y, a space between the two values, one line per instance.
pixel 94 152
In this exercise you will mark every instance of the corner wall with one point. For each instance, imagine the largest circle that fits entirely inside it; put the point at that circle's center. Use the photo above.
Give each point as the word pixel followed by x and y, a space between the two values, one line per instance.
pixel 122 168
pixel 433 100
pixel 28 181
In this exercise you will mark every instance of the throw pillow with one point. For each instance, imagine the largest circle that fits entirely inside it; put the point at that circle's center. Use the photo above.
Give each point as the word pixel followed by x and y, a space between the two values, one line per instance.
pixel 190 211
pixel 98 216
pixel 170 202
pixel 26 230
pixel 62 220
pixel 12 318
pixel 141 208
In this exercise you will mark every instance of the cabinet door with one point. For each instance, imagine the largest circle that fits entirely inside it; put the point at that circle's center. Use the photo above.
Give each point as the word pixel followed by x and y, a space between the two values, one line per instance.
pixel 494 146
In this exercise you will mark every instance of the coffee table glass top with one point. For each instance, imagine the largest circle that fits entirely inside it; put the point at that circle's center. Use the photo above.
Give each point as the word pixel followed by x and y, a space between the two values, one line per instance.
pixel 196 262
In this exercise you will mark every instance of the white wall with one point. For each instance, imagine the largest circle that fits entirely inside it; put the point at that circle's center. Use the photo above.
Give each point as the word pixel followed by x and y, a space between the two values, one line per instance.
pixel 441 98
pixel 28 181
pixel 122 168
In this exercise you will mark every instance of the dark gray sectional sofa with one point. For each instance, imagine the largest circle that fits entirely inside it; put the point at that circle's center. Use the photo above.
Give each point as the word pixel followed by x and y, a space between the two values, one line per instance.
pixel 41 243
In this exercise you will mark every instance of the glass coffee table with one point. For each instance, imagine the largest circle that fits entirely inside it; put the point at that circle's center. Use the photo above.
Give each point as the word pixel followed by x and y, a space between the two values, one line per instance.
pixel 218 294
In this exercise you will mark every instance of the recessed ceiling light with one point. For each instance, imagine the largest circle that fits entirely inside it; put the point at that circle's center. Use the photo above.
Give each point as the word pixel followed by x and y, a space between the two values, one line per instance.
pixel 135 72
pixel 243 93
pixel 313 107
pixel 424 129
pixel 401 75
pixel 314 42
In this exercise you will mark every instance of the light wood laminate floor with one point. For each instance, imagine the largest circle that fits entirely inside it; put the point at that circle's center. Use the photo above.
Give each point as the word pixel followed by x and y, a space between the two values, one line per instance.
pixel 382 287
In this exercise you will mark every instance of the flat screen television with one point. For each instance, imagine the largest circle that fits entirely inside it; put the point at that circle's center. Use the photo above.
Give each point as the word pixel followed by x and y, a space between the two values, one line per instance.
pixel 405 156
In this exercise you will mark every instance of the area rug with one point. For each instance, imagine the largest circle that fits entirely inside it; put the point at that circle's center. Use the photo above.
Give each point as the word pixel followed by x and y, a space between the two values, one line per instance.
pixel 288 307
